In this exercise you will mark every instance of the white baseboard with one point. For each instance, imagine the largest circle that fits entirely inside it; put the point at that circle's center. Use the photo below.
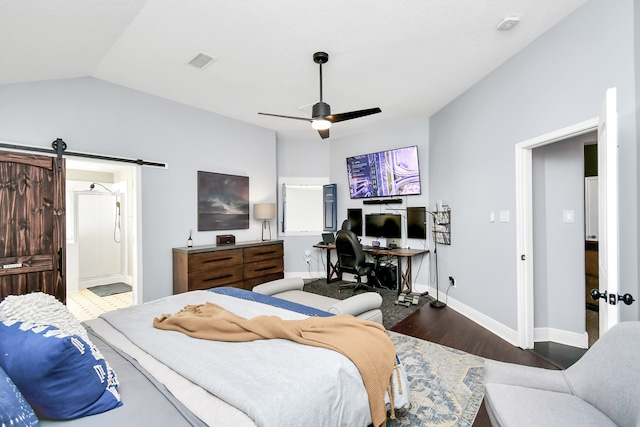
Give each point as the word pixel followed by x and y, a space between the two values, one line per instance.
pixel 540 334
pixel 559 336
pixel 511 336
pixel 481 319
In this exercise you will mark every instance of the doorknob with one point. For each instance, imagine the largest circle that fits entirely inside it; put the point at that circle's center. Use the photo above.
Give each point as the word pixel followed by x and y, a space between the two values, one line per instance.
pixel 626 298
pixel 613 299
pixel 596 295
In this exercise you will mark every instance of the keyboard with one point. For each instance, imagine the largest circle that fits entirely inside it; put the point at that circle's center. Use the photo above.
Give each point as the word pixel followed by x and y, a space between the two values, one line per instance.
pixel 374 247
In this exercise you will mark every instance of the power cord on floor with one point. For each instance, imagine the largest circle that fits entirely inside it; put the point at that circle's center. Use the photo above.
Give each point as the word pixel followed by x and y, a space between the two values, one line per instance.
pixel 446 294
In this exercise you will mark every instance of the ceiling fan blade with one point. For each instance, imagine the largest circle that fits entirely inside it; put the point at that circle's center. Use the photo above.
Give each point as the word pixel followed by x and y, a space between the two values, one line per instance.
pixel 324 133
pixel 287 117
pixel 341 117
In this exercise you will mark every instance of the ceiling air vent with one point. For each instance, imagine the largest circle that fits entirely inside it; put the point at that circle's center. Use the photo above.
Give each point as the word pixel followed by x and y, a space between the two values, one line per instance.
pixel 202 60
pixel 508 23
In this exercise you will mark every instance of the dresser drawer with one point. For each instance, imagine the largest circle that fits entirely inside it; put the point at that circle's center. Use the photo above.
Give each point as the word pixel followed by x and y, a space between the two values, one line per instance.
pixel 214 260
pixel 259 253
pixel 263 268
pixel 228 276
pixel 242 265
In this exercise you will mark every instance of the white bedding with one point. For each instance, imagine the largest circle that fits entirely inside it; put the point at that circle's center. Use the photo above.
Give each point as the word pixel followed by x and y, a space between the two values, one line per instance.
pixel 271 382
pixel 211 410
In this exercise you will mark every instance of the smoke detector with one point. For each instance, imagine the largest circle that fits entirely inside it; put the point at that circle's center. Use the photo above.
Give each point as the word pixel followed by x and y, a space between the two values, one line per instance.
pixel 508 23
pixel 202 60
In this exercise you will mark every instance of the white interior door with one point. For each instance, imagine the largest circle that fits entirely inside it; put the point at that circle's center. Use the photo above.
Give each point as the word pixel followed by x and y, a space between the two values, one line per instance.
pixel 608 242
pixel 608 245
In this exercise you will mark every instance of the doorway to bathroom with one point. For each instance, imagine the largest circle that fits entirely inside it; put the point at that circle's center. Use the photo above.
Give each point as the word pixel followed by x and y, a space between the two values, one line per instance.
pixel 101 237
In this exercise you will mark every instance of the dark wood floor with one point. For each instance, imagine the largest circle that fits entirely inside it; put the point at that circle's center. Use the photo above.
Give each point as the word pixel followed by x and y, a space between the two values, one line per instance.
pixel 447 327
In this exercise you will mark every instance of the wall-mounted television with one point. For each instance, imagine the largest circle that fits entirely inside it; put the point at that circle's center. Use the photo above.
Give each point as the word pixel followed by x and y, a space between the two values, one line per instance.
pixel 393 172
pixel 388 226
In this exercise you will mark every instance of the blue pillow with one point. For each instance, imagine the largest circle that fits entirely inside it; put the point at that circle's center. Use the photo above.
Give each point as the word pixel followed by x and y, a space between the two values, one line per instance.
pixel 60 375
pixel 14 410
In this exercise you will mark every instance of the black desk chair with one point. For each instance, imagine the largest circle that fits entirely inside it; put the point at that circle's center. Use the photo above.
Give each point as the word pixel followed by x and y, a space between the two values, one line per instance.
pixel 352 259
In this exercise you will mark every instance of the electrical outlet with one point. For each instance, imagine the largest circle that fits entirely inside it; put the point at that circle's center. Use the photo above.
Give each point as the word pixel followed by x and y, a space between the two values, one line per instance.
pixel 452 281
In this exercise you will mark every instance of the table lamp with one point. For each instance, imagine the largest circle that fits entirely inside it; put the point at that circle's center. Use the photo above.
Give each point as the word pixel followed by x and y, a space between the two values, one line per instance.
pixel 265 211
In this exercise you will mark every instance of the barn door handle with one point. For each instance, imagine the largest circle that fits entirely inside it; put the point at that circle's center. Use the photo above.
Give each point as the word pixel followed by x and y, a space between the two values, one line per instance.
pixel 60 260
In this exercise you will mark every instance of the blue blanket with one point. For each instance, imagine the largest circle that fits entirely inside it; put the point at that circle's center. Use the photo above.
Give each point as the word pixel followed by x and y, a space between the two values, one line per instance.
pixel 273 301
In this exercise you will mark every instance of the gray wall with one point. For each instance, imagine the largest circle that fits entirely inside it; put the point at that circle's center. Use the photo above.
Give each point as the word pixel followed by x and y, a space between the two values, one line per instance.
pixel 557 81
pixel 98 117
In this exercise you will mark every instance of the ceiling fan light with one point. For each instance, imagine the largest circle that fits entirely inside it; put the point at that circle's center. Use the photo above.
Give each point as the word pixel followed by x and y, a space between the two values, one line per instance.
pixel 320 124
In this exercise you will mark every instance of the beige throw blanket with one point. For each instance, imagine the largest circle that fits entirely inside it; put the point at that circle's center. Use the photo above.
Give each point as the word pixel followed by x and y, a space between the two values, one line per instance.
pixel 365 343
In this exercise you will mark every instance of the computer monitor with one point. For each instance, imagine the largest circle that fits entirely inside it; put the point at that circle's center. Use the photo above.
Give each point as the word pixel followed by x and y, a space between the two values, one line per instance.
pixel 416 223
pixel 355 216
pixel 383 225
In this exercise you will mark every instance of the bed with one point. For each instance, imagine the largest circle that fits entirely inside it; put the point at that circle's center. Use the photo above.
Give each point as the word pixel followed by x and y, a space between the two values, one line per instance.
pixel 166 377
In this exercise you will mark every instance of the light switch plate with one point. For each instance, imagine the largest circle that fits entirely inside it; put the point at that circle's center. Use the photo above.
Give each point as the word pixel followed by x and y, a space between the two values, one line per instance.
pixel 568 216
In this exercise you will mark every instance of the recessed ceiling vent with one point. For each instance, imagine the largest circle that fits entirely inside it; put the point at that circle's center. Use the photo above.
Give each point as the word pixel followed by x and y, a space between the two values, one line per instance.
pixel 202 60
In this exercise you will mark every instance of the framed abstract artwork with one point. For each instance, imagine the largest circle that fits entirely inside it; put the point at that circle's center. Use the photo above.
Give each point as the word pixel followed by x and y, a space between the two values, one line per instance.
pixel 223 201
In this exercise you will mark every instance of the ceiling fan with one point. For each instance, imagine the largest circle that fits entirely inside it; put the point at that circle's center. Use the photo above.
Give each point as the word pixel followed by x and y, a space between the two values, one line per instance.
pixel 321 117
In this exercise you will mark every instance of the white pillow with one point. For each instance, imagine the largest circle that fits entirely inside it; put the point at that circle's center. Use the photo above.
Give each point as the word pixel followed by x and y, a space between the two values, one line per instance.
pixel 38 307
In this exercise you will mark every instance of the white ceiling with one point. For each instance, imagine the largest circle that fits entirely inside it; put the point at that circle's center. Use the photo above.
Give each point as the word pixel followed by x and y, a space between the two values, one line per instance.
pixel 408 57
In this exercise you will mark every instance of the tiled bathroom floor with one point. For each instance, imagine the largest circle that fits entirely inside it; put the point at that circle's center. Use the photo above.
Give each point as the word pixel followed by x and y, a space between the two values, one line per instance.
pixel 86 305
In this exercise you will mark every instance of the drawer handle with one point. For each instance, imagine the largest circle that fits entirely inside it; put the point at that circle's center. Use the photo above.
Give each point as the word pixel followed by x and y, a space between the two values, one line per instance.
pixel 209 279
pixel 265 268
pixel 266 253
pixel 219 259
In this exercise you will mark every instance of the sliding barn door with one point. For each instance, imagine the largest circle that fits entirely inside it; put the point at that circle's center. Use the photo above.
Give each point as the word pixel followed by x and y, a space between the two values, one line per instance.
pixel 32 225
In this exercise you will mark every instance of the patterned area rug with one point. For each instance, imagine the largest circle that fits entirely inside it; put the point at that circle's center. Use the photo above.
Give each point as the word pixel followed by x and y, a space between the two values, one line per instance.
pixel 392 313
pixel 445 384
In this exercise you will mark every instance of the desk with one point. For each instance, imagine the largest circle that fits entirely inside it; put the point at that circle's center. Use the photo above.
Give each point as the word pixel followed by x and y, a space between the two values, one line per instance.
pixel 404 276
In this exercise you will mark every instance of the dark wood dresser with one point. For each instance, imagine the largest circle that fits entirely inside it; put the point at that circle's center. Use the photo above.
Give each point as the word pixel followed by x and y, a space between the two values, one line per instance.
pixel 242 265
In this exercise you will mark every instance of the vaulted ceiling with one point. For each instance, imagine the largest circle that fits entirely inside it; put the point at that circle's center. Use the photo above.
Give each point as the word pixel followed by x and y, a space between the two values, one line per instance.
pixel 408 57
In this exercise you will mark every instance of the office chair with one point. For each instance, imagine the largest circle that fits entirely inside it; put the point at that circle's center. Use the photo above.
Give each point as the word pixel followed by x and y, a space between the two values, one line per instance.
pixel 352 259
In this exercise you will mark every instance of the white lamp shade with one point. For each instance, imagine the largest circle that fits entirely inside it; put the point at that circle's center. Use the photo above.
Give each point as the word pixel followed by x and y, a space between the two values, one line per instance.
pixel 264 210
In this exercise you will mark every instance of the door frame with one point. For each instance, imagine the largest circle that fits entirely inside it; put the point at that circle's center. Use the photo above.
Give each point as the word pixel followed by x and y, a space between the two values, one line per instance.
pixel 524 222
pixel 134 211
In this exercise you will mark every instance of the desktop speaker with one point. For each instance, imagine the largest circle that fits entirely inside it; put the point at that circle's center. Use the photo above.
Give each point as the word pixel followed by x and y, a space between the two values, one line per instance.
pixel 226 239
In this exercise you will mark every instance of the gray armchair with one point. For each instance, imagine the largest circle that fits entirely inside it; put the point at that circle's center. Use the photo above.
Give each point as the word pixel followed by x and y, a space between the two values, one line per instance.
pixel 600 389
pixel 362 306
